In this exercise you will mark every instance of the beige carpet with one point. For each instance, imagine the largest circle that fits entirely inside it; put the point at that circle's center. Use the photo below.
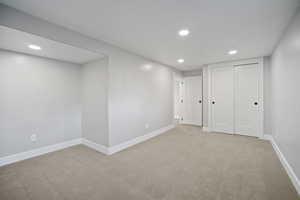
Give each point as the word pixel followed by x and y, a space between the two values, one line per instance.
pixel 182 164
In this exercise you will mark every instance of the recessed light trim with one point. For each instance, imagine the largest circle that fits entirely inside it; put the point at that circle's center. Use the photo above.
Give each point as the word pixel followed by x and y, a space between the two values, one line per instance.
pixel 34 47
pixel 180 60
pixel 183 32
pixel 232 52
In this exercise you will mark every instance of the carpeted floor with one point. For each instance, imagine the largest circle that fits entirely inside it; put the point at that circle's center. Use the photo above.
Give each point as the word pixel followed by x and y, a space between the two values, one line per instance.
pixel 182 164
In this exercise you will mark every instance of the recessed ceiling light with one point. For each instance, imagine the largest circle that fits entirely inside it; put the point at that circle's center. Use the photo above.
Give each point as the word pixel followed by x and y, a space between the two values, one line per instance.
pixel 180 60
pixel 147 67
pixel 183 32
pixel 34 47
pixel 232 52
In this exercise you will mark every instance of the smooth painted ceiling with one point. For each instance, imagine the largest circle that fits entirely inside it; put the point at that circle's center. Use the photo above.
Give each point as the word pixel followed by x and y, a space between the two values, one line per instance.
pixel 18 41
pixel 149 27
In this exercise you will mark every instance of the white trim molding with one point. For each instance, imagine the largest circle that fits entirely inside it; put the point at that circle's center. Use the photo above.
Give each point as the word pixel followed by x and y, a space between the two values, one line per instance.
pixel 267 137
pixel 190 123
pixel 125 145
pixel 295 180
pixel 98 147
pixel 37 152
pixel 205 129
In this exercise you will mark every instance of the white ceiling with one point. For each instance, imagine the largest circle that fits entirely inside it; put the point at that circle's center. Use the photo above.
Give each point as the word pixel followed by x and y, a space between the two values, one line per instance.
pixel 15 40
pixel 149 27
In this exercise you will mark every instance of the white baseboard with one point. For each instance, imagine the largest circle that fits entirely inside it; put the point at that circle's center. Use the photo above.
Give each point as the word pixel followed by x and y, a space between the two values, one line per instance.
pixel 103 149
pixel 37 152
pixel 267 137
pixel 137 140
pixel 206 129
pixel 190 123
pixel 285 163
pixel 98 147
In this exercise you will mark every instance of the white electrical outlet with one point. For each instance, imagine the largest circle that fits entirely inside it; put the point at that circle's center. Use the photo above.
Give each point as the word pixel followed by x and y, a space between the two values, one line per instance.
pixel 33 138
pixel 146 126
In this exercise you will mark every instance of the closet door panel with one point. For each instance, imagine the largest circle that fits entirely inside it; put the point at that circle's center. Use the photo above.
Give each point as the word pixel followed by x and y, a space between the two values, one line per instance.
pixel 193 100
pixel 247 100
pixel 222 99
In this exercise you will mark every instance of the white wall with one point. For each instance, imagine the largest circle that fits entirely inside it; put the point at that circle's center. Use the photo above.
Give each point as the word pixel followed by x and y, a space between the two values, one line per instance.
pixel 267 96
pixel 95 101
pixel 37 96
pixel 285 84
pixel 135 93
pixel 140 93
pixel 132 89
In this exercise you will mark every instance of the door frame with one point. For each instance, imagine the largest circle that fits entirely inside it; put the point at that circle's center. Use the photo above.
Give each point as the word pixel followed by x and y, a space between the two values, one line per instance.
pixel 234 64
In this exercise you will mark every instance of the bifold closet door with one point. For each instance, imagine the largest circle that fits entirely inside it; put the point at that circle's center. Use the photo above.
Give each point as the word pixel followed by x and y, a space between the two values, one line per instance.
pixel 193 100
pixel 247 100
pixel 222 99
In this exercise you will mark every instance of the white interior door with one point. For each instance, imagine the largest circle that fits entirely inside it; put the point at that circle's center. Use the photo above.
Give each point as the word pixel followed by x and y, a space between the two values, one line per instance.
pixel 247 100
pixel 177 100
pixel 222 99
pixel 193 100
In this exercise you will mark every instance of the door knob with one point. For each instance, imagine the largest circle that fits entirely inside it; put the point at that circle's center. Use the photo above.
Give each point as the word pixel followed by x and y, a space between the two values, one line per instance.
pixel 255 103
pixel 200 101
pixel 213 102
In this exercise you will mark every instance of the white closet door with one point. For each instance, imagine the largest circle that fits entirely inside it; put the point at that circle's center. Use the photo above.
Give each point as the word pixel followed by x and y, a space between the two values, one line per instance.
pixel 247 100
pixel 193 100
pixel 222 99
